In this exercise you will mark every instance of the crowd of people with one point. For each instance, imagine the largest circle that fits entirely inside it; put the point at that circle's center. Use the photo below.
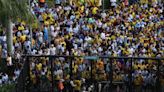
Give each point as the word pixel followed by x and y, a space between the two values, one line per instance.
pixel 81 75
pixel 82 28
pixel 135 30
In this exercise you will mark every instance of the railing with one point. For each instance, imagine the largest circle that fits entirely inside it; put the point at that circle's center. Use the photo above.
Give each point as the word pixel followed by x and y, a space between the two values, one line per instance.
pixel 23 81
pixel 50 84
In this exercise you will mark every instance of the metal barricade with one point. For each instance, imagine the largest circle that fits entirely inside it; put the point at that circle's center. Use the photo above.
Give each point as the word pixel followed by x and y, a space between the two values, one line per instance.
pixel 96 73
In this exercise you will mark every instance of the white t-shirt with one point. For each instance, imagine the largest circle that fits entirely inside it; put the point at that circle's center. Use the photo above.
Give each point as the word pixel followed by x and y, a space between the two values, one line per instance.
pixel 19 34
pixel 40 37
pixel 32 65
pixel 103 36
pixel 4 38
pixel 62 49
pixel 48 51
pixel 88 38
pixel 9 61
pixel 75 46
pixel 27 44
pixel 100 49
pixel 40 52
pixel 5 78
pixel 52 28
pixel 33 52
pixel 54 34
pixel 113 2
pixel 26 32
pixel 18 56
pixel 52 51
pixel 131 50
pixel 99 24
pixel 17 72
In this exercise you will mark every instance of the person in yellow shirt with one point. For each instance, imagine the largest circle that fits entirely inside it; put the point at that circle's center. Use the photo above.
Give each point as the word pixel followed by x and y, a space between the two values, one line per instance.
pixel 49 75
pixel 135 67
pixel 100 65
pixel 117 78
pixel 94 10
pixel 81 9
pixel 21 28
pixel 14 39
pixel 98 3
pixel 75 67
pixel 138 81
pixel 77 87
pixel 44 16
pixel 90 2
pixel 33 77
pixel 39 66
pixel 23 38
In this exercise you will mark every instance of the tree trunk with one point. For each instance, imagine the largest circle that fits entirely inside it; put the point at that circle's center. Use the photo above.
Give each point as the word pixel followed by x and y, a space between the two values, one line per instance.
pixel 9 37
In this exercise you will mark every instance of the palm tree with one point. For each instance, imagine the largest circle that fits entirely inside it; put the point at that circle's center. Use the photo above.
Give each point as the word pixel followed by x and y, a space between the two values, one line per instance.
pixel 10 11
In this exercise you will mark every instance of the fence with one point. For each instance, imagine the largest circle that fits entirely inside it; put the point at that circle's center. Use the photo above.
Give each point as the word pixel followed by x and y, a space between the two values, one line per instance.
pixel 99 76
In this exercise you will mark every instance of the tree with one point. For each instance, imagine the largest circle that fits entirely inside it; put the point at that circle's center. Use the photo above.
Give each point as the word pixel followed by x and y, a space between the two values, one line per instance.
pixel 10 11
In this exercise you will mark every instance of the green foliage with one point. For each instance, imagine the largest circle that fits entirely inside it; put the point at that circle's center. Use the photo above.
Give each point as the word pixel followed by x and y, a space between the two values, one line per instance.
pixel 14 9
pixel 7 88
pixel 3 65
pixel 1 31
pixel 50 3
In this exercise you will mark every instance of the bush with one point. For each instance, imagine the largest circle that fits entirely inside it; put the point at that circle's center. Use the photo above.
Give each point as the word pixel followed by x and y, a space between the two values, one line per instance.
pixel 3 66
pixel 7 88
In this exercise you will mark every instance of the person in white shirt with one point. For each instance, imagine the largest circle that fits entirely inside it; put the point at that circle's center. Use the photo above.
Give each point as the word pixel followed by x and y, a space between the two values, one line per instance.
pixel 113 3
pixel 5 78
pixel 17 72
pixel 34 51
pixel 4 53
pixel 26 32
pixel 40 37
pixel 48 51
pixel 103 35
pixel 40 52
pixel 9 60
pixel 52 50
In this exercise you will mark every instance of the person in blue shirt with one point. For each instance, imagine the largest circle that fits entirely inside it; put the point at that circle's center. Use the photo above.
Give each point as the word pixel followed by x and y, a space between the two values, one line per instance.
pixel 45 31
